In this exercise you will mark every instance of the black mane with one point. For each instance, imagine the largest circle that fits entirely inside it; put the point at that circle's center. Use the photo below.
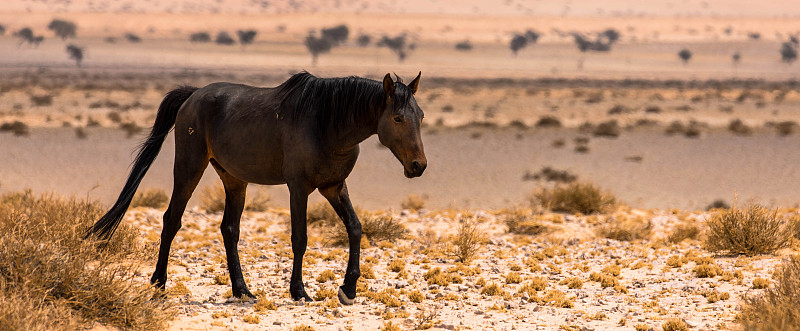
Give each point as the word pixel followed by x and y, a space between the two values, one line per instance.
pixel 339 102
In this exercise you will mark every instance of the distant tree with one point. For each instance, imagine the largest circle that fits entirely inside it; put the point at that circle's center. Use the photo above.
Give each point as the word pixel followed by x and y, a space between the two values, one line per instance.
pixel 464 46
pixel 246 37
pixel 317 46
pixel 520 41
pixel 363 40
pixel 2 29
pixel 26 35
pixel 399 45
pixel 63 29
pixel 754 35
pixel 611 35
pixel 200 37
pixel 336 35
pixel 223 38
pixel 788 52
pixel 133 38
pixel 685 55
pixel 792 39
pixel 75 53
pixel 736 57
pixel 602 43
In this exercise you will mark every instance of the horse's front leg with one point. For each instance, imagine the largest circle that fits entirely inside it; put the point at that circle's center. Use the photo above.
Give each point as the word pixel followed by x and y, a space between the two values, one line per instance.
pixel 298 202
pixel 339 199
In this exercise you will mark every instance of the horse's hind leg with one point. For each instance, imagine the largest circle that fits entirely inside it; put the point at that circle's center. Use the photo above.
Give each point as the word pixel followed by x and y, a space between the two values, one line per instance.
pixel 190 163
pixel 235 191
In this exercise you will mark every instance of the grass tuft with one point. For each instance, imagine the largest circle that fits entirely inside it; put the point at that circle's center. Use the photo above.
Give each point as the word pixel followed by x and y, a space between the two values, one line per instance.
pixel 778 308
pixel 374 227
pixel 467 241
pixel 749 231
pixel 51 278
pixel 152 198
pixel 575 197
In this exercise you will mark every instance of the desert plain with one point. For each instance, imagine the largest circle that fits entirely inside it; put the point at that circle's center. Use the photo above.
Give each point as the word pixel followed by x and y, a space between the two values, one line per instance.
pixel 676 141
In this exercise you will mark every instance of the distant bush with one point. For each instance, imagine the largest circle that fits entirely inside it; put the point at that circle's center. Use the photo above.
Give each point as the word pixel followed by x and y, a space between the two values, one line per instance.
pixel 246 37
pixel 786 128
pixel 363 40
pixel 739 128
pixel 788 52
pixel 399 44
pixel 609 129
pixel 548 122
pixel 337 34
pixel 152 198
pixel 223 38
pixel 626 229
pixel 464 46
pixel 749 231
pixel 575 197
pixel 200 37
pixel 522 40
pixel 17 128
pixel 718 204
pixel 63 29
pixel 778 308
pixel 685 55
pixel 551 175
pixel 413 202
pixel 682 232
pixel 130 37
pixel 2 29
pixel 522 221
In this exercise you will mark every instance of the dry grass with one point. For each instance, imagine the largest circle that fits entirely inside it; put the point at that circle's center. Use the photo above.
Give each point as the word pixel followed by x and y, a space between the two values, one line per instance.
pixel 212 200
pixel 17 128
pixel 683 232
pixel 779 306
pixel 374 228
pixel 675 324
pixel 626 229
pixel 52 279
pixel 749 231
pixel 413 202
pixel 152 198
pixel 467 241
pixel 575 197
pixel 522 221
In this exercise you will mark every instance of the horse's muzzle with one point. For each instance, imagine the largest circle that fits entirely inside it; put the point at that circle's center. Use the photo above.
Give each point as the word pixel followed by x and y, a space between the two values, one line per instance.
pixel 416 169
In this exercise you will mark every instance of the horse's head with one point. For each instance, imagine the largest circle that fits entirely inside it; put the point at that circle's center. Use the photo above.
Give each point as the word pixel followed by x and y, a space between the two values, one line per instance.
pixel 398 126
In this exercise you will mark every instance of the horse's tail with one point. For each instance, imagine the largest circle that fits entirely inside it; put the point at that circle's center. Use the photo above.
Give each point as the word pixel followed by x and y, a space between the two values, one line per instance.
pixel 148 150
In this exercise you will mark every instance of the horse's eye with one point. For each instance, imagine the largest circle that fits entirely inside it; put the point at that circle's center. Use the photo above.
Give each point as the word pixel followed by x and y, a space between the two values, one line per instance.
pixel 398 119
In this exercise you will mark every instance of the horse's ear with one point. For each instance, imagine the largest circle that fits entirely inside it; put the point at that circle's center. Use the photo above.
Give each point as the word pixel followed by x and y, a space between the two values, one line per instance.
pixel 414 85
pixel 388 85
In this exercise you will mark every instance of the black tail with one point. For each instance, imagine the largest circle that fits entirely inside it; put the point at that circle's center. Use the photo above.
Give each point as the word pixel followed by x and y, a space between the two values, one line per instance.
pixel 148 150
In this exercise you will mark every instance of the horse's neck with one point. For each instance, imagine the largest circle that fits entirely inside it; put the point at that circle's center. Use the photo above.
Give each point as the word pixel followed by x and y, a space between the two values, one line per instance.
pixel 349 137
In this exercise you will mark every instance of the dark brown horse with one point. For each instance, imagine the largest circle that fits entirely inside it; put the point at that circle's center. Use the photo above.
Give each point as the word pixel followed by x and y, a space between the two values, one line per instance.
pixel 303 133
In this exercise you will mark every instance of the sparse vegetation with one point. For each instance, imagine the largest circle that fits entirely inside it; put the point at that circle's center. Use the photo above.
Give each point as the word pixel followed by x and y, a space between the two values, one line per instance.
pixel 750 230
pixel 17 128
pixel 577 197
pixel 26 35
pixel 53 279
pixel 413 202
pixel 399 44
pixel 374 227
pixel 200 37
pixel 246 37
pixel 223 38
pixel 522 221
pixel 467 241
pixel 151 198
pixel 464 46
pixel 778 308
pixel 133 38
pixel 75 53
pixel 522 40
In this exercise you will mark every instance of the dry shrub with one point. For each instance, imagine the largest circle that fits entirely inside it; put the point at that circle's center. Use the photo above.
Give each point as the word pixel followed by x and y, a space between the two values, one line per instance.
pixel 17 128
pixel 522 221
pixel 324 213
pixel 212 199
pixel 675 324
pixel 778 308
pixel 152 198
pixel 467 241
pixel 626 229
pixel 575 197
pixel 750 231
pixel 413 202
pixel 374 227
pixel 51 278
pixel 682 232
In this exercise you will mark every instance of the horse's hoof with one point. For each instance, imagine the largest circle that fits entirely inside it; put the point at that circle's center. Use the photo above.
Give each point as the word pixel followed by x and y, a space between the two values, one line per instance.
pixel 244 295
pixel 344 299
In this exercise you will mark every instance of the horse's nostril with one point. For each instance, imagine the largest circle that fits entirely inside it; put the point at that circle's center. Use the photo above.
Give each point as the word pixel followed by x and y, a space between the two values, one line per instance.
pixel 416 167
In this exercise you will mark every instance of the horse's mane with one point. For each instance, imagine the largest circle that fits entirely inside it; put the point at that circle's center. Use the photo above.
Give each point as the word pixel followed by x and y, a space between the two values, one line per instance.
pixel 337 101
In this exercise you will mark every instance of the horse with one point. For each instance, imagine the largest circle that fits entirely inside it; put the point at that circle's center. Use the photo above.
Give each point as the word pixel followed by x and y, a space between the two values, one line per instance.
pixel 304 133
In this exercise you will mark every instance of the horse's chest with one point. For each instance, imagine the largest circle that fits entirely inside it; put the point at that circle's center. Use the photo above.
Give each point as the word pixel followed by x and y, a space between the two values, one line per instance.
pixel 332 169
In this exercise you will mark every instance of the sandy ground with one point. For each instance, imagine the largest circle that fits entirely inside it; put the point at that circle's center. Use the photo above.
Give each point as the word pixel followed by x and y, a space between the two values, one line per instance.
pixel 650 291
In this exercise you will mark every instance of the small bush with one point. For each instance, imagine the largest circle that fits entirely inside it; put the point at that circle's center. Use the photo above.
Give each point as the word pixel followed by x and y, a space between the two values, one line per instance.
pixel 778 308
pixel 200 37
pixel 152 198
pixel 374 228
pixel 467 241
pixel 133 38
pixel 760 283
pixel 575 197
pixel 609 129
pixel 521 221
pixel 739 128
pixel 749 231
pixel 548 122
pixel 675 324
pixel 223 38
pixel 413 202
pixel 682 232
pixel 464 46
